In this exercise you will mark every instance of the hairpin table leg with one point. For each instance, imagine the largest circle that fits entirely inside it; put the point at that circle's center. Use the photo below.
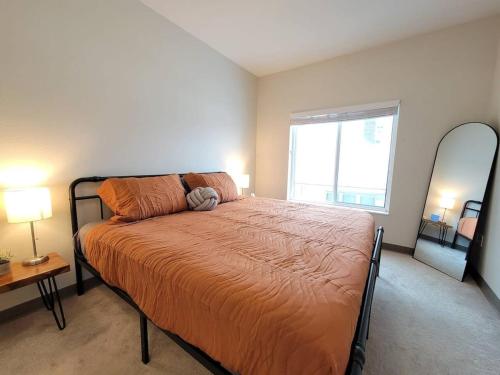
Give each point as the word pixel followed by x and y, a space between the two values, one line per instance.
pixel 49 299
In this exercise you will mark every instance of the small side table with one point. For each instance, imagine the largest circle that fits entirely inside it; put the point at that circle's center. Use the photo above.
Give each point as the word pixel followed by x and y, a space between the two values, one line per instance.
pixel 443 229
pixel 20 276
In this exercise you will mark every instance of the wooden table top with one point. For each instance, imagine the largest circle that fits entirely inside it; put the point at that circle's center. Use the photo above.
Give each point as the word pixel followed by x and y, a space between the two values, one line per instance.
pixel 20 275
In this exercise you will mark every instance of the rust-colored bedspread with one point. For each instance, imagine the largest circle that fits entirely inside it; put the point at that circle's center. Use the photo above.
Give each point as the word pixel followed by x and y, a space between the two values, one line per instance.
pixel 264 286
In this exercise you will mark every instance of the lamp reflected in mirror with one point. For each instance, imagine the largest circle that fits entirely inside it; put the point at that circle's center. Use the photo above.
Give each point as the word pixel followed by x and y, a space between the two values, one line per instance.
pixel 447 203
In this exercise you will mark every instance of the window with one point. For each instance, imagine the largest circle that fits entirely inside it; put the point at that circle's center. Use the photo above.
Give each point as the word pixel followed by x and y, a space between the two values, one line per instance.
pixel 344 156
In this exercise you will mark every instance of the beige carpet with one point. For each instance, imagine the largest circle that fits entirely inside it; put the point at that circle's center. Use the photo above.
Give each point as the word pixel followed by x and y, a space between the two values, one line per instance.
pixel 423 322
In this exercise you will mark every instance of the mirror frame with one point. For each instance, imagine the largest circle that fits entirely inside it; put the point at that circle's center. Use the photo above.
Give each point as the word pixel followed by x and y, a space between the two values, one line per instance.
pixel 485 202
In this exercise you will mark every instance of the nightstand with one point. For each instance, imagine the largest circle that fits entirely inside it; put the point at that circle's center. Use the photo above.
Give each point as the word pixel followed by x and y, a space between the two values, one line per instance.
pixel 441 225
pixel 20 276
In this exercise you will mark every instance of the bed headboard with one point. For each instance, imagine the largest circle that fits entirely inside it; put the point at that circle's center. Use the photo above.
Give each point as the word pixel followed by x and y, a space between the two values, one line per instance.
pixel 74 198
pixel 471 206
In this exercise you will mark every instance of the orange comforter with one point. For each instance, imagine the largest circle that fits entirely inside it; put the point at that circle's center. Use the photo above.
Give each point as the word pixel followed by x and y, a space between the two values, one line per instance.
pixel 467 226
pixel 264 286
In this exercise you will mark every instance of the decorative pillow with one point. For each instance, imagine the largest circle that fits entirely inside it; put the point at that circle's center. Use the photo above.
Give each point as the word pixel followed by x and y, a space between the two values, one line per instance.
pixel 133 198
pixel 202 199
pixel 221 182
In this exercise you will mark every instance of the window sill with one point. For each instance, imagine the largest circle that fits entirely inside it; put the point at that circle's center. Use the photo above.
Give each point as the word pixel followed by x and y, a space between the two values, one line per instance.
pixel 372 211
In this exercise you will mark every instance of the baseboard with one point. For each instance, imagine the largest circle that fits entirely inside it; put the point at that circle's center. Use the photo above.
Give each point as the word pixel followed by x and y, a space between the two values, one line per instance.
pixel 397 248
pixel 485 288
pixel 36 303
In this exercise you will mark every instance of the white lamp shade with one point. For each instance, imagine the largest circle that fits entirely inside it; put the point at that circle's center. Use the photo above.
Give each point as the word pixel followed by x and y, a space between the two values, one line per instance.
pixel 242 181
pixel 447 202
pixel 26 205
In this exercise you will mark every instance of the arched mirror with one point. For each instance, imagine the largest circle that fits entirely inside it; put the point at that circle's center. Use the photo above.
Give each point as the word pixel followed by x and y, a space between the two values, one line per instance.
pixel 456 200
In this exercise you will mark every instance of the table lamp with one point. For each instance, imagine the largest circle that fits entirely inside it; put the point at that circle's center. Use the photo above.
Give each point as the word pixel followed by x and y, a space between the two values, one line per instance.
pixel 242 181
pixel 446 203
pixel 26 206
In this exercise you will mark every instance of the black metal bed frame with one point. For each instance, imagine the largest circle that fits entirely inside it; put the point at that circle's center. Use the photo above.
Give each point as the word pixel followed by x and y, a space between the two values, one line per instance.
pixel 357 357
pixel 465 209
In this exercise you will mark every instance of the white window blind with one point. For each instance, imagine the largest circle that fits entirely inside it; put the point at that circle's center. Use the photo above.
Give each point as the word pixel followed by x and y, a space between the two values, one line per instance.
pixel 346 113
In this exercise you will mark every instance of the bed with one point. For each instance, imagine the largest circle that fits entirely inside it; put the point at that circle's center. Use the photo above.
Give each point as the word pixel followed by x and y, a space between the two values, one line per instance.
pixel 255 286
pixel 466 227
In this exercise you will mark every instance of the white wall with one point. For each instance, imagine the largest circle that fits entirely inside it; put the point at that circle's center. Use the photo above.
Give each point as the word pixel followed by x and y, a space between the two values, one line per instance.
pixel 109 87
pixel 442 79
pixel 489 258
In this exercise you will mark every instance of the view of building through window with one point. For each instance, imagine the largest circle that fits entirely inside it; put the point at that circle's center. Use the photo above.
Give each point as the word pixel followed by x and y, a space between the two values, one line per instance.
pixel 344 163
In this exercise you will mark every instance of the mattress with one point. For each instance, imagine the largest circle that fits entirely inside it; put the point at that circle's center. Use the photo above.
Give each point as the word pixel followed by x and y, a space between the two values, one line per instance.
pixel 263 286
pixel 82 233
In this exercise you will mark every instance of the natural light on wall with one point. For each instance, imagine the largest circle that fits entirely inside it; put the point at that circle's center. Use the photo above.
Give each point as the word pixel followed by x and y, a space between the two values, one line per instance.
pixel 20 175
pixel 235 167
pixel 343 157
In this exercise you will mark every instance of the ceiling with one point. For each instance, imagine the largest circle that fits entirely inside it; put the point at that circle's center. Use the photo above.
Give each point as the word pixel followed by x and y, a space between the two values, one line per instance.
pixel 268 36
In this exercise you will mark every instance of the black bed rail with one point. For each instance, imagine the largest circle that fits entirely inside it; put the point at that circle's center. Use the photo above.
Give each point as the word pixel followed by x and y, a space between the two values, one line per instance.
pixel 467 207
pixel 357 357
pixel 357 360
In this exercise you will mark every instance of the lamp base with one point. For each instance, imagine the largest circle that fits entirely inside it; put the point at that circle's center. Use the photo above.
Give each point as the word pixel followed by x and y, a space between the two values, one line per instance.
pixel 34 261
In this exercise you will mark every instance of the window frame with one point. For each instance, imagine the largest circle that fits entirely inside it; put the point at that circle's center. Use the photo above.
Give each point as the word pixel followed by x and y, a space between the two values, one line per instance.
pixel 392 153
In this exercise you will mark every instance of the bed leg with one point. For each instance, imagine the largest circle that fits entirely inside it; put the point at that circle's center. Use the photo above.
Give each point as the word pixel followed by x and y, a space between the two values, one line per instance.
pixel 79 278
pixel 454 241
pixel 358 360
pixel 144 338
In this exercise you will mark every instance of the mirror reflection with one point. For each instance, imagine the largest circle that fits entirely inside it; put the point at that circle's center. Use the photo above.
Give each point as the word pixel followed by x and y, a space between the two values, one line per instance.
pixel 449 224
